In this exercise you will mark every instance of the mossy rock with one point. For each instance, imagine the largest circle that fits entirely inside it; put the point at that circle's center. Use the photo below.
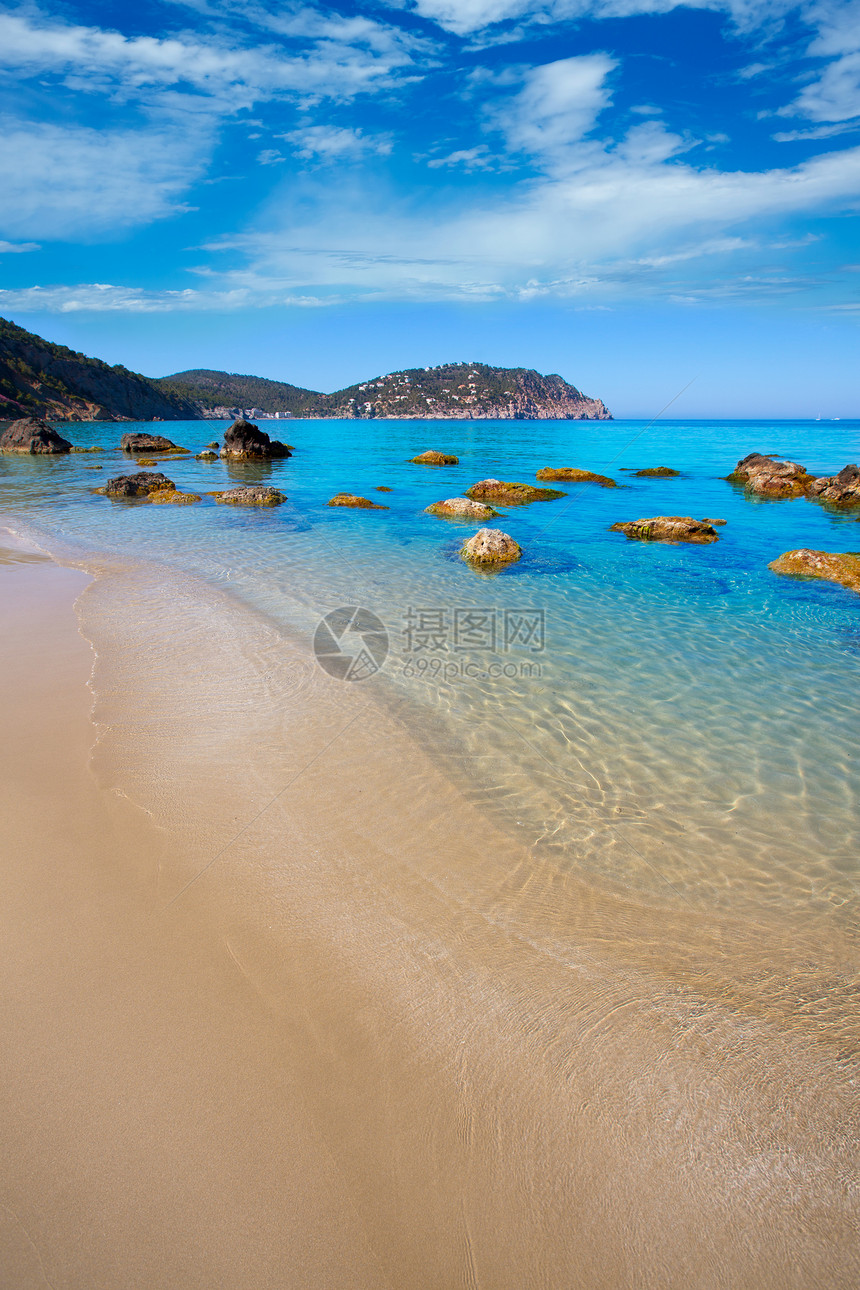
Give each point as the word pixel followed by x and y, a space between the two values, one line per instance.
pixel 250 495
pixel 94 448
pixel 656 472
pixel 356 503
pixel 667 528
pixel 491 547
pixel 573 475
pixel 839 567
pixel 146 461
pixel 383 488
pixel 172 497
pixel 510 493
pixel 432 458
pixel 461 508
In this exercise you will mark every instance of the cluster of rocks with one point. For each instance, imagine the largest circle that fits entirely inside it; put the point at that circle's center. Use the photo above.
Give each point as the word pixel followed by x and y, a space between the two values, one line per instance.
pixel 767 475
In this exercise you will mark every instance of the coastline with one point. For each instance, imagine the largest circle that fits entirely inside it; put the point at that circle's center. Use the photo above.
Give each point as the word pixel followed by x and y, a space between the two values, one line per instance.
pixel 520 1079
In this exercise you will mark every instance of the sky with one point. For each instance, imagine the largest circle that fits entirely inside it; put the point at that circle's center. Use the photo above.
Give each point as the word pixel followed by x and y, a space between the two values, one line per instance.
pixel 658 201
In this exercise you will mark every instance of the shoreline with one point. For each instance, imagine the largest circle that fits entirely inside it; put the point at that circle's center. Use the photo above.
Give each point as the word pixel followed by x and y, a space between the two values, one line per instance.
pixel 488 1049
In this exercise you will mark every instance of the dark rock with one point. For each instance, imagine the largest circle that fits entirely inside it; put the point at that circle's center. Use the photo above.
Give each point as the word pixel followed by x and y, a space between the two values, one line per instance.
pixel 30 435
pixel 491 546
pixel 357 503
pixel 767 476
pixel 148 443
pixel 575 476
pixel 245 441
pixel 667 528
pixel 140 485
pixel 383 488
pixel 843 568
pixel 431 458
pixel 251 495
pixel 510 494
pixel 839 490
pixel 208 454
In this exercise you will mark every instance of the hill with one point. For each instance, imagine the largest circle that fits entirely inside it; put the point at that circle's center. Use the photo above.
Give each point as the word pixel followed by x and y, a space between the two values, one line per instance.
pixel 41 379
pixel 458 391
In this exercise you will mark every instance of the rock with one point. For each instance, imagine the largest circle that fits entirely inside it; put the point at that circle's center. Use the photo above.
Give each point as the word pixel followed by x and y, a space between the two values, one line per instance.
pixel 357 503
pixel 839 490
pixel 140 485
pixel 656 472
pixel 245 442
pixel 208 454
pixel 833 567
pixel 716 523
pixel 667 528
pixel 172 496
pixel 214 444
pixel 93 467
pixel 431 458
pixel 461 508
pixel 146 461
pixel 767 476
pixel 30 435
pixel 383 488
pixel 94 448
pixel 148 443
pixel 510 494
pixel 491 546
pixel 251 495
pixel 573 475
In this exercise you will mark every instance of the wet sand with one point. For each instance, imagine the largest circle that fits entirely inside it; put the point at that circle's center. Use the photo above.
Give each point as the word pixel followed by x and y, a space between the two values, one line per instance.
pixel 312 1020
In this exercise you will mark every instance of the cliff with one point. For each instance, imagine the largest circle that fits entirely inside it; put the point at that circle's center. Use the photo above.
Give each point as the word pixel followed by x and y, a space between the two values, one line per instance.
pixel 458 391
pixel 50 381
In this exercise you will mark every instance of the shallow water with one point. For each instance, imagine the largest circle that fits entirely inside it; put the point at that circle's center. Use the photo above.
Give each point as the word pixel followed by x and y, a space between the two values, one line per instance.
pixel 673 719
pixel 563 939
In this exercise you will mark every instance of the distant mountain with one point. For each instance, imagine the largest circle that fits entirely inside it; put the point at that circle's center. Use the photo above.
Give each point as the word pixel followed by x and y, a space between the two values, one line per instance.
pixel 458 391
pixel 50 381
pixel 219 393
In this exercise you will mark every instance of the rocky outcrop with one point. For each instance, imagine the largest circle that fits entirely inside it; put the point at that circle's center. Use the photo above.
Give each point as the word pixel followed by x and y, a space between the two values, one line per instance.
pixel 251 495
pixel 656 472
pixel 491 546
pixel 29 435
pixel 510 494
pixel 52 381
pixel 667 528
pixel 148 443
pixel 573 475
pixel 832 566
pixel 431 458
pixel 357 503
pixel 173 497
pixel 139 485
pixel 246 442
pixel 461 508
pixel 208 454
pixel 838 490
pixel 769 476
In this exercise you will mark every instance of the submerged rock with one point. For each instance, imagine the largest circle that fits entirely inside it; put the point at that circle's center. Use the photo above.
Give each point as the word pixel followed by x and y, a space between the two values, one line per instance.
pixel 491 546
pixel 30 435
pixel 148 443
pixel 208 454
pixel 716 523
pixel 357 503
pixel 172 497
pixel 251 495
pixel 213 444
pixel 573 475
pixel 461 508
pixel 768 476
pixel 839 490
pixel 843 568
pixel 383 488
pixel 244 442
pixel 656 472
pixel 91 448
pixel 140 485
pixel 667 528
pixel 510 494
pixel 431 458
pixel 146 461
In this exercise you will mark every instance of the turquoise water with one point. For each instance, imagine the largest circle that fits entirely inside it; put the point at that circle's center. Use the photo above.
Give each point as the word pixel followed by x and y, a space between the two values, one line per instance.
pixel 680 721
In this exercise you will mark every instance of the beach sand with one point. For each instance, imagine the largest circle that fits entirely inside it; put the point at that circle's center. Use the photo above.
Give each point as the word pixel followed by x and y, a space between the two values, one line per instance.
pixel 286 1009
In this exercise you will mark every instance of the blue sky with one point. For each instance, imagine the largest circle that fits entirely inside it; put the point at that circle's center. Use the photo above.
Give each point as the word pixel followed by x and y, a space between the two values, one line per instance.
pixel 633 193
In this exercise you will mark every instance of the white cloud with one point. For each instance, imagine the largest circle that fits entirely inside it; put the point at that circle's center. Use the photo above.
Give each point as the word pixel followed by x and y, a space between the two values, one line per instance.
pixel 558 105
pixel 816 132
pixel 68 181
pixel 335 143
pixel 103 297
pixel 18 248
pixel 477 158
pixel 835 96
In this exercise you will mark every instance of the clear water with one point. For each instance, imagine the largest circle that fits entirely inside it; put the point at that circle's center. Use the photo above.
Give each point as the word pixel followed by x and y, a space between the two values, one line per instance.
pixel 687 731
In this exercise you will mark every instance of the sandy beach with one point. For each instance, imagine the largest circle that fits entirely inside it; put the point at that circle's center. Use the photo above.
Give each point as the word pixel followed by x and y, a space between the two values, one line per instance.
pixel 285 1008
